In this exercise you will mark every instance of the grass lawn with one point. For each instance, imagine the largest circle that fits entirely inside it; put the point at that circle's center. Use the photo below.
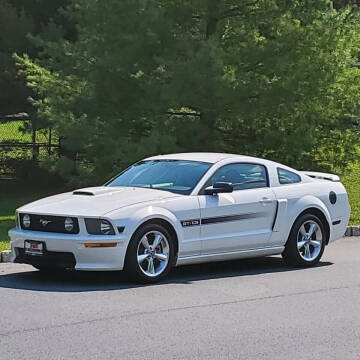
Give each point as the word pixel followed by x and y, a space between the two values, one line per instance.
pixel 13 198
pixel 6 222
pixel 10 131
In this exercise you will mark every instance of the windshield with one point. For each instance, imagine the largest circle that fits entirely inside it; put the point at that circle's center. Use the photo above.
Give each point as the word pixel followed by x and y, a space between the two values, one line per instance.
pixel 177 176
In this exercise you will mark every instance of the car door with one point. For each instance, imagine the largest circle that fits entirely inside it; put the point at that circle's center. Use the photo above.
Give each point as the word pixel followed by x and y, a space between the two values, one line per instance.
pixel 240 220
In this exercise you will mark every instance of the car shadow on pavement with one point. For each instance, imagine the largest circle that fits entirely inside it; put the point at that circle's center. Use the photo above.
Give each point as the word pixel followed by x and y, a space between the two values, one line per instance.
pixel 77 281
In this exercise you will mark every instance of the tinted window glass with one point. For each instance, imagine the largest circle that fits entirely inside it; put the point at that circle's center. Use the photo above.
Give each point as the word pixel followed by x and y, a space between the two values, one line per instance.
pixel 241 176
pixel 177 176
pixel 287 177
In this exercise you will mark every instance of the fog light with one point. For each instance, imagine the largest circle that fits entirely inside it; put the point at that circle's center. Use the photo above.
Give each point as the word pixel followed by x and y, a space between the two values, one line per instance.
pixel 69 224
pixel 26 221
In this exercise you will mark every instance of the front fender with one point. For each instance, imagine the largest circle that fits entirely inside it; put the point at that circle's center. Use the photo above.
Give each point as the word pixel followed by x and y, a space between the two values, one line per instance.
pixel 140 216
pixel 154 212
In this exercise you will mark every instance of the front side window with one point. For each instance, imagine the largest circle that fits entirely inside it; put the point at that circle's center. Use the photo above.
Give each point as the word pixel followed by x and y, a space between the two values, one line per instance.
pixel 177 176
pixel 241 176
pixel 287 177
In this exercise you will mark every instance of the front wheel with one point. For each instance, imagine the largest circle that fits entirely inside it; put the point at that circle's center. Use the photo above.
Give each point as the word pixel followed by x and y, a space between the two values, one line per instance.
pixel 306 242
pixel 150 253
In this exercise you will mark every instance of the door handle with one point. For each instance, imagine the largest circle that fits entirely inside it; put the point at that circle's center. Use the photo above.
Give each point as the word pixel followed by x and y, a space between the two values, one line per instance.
pixel 266 200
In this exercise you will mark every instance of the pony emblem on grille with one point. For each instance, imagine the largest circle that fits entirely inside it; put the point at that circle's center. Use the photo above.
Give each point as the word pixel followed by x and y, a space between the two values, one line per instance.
pixel 44 222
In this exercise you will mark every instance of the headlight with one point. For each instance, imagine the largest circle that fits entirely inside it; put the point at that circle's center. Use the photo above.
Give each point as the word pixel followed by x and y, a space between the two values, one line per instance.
pixel 105 227
pixel 69 224
pixel 99 227
pixel 26 221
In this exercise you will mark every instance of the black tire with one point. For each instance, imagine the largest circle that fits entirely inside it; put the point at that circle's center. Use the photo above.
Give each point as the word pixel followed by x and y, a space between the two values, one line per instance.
pixel 297 257
pixel 132 266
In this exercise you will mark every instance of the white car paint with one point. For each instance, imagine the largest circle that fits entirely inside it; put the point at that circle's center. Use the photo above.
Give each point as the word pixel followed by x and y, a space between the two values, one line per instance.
pixel 129 207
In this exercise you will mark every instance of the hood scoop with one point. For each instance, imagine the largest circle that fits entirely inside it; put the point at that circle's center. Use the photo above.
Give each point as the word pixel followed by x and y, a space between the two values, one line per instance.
pixel 95 191
pixel 86 193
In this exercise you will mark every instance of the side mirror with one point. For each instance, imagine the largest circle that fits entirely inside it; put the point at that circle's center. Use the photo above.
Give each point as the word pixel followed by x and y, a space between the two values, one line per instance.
pixel 219 187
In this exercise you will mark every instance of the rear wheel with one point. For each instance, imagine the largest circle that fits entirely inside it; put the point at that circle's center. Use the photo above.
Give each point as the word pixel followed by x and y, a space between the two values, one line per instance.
pixel 150 253
pixel 306 242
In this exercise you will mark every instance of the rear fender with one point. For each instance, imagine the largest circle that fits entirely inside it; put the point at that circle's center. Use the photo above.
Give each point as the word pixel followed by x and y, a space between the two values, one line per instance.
pixel 287 216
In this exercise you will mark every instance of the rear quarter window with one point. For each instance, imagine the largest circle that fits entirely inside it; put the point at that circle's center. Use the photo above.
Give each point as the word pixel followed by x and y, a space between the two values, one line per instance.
pixel 287 177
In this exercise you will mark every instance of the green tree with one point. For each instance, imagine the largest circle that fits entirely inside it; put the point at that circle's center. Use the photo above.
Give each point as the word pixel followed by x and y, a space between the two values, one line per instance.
pixel 260 77
pixel 20 23
pixel 14 26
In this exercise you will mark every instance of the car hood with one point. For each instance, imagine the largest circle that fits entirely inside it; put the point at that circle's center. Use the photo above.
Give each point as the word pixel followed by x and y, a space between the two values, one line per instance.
pixel 94 201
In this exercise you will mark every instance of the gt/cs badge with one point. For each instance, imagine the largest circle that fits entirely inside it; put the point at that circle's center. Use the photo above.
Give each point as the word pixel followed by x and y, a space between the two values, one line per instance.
pixel 186 223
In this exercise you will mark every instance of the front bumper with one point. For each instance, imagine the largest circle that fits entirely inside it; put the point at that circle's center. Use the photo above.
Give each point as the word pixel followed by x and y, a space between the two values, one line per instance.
pixel 51 259
pixel 62 248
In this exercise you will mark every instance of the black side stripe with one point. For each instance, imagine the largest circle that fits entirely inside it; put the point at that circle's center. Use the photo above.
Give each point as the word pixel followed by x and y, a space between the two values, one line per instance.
pixel 220 219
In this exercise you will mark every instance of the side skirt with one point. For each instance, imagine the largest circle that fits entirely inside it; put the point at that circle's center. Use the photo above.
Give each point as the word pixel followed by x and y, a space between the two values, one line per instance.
pixel 187 260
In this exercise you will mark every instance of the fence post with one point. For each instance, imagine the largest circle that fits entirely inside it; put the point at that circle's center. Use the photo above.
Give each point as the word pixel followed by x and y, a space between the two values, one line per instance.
pixel 35 148
pixel 49 142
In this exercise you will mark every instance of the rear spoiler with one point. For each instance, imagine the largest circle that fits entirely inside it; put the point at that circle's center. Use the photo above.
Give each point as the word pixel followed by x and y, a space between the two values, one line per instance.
pixel 321 176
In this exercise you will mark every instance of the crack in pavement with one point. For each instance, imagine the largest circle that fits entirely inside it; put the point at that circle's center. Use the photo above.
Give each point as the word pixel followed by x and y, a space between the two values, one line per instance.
pixel 141 313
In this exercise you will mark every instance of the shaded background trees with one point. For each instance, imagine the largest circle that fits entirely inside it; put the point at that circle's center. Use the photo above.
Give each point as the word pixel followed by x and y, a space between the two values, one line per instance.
pixel 264 78
pixel 20 21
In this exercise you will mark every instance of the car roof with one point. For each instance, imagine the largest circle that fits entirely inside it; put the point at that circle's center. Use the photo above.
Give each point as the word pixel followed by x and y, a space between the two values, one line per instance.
pixel 204 157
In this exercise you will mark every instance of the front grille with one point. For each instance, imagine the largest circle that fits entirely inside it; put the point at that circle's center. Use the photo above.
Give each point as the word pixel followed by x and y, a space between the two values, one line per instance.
pixel 48 223
pixel 50 259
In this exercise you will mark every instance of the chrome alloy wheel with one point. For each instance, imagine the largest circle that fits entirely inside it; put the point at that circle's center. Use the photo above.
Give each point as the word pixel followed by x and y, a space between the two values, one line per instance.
pixel 153 253
pixel 309 240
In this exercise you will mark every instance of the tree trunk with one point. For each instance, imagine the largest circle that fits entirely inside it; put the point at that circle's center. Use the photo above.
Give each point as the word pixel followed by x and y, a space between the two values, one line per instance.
pixel 212 17
pixel 211 25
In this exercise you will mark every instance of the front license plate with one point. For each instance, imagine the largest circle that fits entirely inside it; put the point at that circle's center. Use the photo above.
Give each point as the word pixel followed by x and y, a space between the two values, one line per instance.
pixel 34 248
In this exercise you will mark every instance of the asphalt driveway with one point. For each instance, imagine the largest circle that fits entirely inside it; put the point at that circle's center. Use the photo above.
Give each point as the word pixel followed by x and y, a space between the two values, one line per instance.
pixel 248 309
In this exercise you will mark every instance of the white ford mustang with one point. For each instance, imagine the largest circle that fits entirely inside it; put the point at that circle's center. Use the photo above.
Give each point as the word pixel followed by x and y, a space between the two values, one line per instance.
pixel 178 209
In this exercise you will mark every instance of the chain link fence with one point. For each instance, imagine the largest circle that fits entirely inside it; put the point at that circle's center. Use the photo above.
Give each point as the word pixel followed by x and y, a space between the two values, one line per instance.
pixel 22 147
